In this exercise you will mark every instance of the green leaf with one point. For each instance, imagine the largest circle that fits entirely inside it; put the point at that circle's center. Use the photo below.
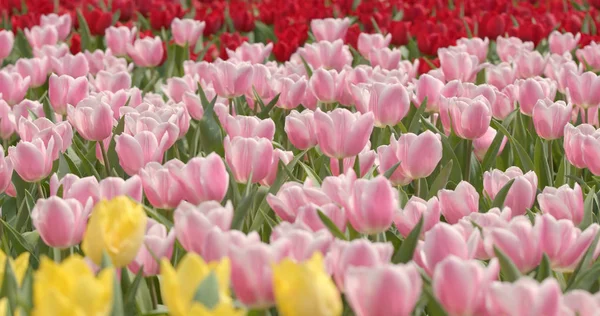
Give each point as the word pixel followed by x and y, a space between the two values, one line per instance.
pixel 143 22
pixel 22 45
pixel 441 180
pixel 448 152
pixel 84 30
pixel 588 209
pixel 526 163
pixel 117 303
pixel 265 112
pixel 129 298
pixel 242 210
pixel 407 249
pixel 544 270
pixel 157 216
pixel 585 262
pixel 508 270
pixel 388 173
pixel 207 293
pixel 415 122
pixel 586 280
pixel 10 287
pixel 111 152
pixel 541 168
pixel 492 152
pixel 18 242
pixel 559 180
pixel 501 195
pixel 48 111
pixel 309 71
pixel 335 231
pixel 433 306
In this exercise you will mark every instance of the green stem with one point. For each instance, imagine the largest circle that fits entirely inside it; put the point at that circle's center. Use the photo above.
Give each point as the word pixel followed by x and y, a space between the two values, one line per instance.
pixel 41 190
pixel 105 158
pixel 152 289
pixel 341 166
pixel 550 159
pixel 231 106
pixel 468 152
pixel 57 255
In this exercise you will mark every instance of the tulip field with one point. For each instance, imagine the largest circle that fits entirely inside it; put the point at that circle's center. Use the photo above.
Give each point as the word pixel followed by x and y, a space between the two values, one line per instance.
pixel 300 157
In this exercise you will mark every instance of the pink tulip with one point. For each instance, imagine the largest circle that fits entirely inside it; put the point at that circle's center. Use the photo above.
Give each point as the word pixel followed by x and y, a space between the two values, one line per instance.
pixel 459 203
pixel 353 127
pixel 428 87
pixel 461 286
pixel 383 290
pixel 503 106
pixel 279 155
pixel 291 90
pixel 186 32
pixel 525 297
pixel 219 244
pixel 467 118
pixel 529 64
pixel 23 108
pixel 92 118
pixel 65 90
pixel 118 38
pixel 389 103
pixel 255 53
pixel 418 156
pixel 329 55
pixel 589 54
pixel 301 129
pixel 44 129
pixel 367 42
pixel 500 75
pixel 62 23
pixel 406 219
pixel 345 255
pixel 373 205
pixel 522 192
pixel 6 171
pixel 193 104
pixel 50 51
pixel 366 160
pixel 583 89
pixel 248 157
pixel 309 216
pixel 192 223
pixel 302 243
pixel 7 40
pixel 73 65
pixel 562 203
pixel 248 127
pixel 112 187
pixel 533 89
pixel 36 69
pixel 443 241
pixel 519 241
pixel 329 29
pixel 561 43
pixel 176 87
pixel 73 187
pixel 8 123
pixel 492 218
pixel 508 48
pixel 160 184
pixel 550 118
pixel 32 160
pixel 291 197
pixel 582 303
pixel 475 46
pixel 458 65
pixel 574 143
pixel 483 143
pixel 327 86
pixel 39 36
pixel 158 244
pixel 204 179
pixel 385 58
pixel 61 223
pixel 231 80
pixel 146 52
pixel 113 82
pixel 135 152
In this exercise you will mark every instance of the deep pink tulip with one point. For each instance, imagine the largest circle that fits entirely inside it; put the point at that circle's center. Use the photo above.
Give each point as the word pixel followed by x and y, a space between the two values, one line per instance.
pixel 301 129
pixel 309 216
pixel 186 32
pixel 500 75
pixel 7 40
pixel 92 118
pixel 39 36
pixel 461 286
pixel 118 38
pixel 329 29
pixel 160 184
pixel 36 69
pixel 560 43
pixel 6 171
pixel 357 253
pixel 192 223
pixel 467 118
pixel 483 143
pixel 459 203
pixel 61 223
pixel 248 127
pixel 562 202
pixel 248 157
pixel 219 244
pixel 590 55
pixel 204 179
pixel 583 89
pixel 327 86
pixel 367 42
pixel 389 103
pixel 291 90
pixel 383 290
pixel 373 205
pixel 328 55
pixel 72 65
pixel 341 133
pixel 255 53
pixel 65 90
pixel 13 86
pixel 582 303
pixel 533 89
pixel 146 52
pixel 428 87
pixel 407 218
pixel 32 160
pixel 62 23
pixel 112 187
pixel 508 48
pixel 519 241
pixel 291 197
pixel 525 297
pixel 458 65
pixel 550 118
pixel 113 82
pixel 522 192
pixel 475 46
pixel 366 160
pixel 158 244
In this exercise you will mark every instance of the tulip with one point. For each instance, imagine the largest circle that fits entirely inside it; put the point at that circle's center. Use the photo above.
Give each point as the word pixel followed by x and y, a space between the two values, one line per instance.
pixel 301 129
pixel 146 52
pixel 160 184
pixel 193 105
pixel 581 302
pixel 503 106
pixel 367 42
pixel 327 86
pixel 563 202
pixel 366 160
pixel 116 227
pixel 374 203
pixel 328 55
pixel 135 152
pixel 385 58
pixel 461 285
pixel 525 297
pixel 574 143
pixel 389 103
pixel 500 75
pixel 118 38
pixel 13 87
pixel 329 29
pixel 61 223
pixel 519 241
pixel 475 46
pixel 248 127
pixel 7 40
pixel 299 243
pixel 204 179
pixel 562 43
pixel 407 218
pixel 255 53
pixel 6 170
pixel 7 121
pixel 61 22
pixel 483 143
pixel 39 36
pixel 428 87
pixel 73 187
pixel 219 244
pixel 58 287
pixel 176 87
pixel 192 223
pixel 279 155
pixel 65 90
pixel 459 203
pixel 57 51
pixel 550 118
pixel 231 80
pixel 331 126
pixel 186 32
pixel 36 69
pixel 305 289
pixel 290 198
pixel 529 64
pixel 443 241
pixel 32 160
pixel 418 156
pixel 583 89
pixel 92 118
pixel 468 118
pixel 309 216
pixel 73 65
pixel 112 187
pixel 522 192
pixel 157 245
pixel 458 65
pixel 533 89
pixel 589 55
pixel 383 290
pixel 508 48
pixel 291 91
pixel 113 82
pixel 179 286
pixel 248 157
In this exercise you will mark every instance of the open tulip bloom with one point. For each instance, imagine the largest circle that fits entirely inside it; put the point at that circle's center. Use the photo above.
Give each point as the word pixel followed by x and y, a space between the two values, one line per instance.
pixel 295 158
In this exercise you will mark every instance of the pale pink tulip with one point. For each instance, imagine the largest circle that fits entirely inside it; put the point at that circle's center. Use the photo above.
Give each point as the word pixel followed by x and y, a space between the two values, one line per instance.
pixel 72 65
pixel 61 223
pixel 550 118
pixel 500 75
pixel 407 218
pixel 483 143
pixel 458 66
pixel 62 23
pixel 92 118
pixel 309 216
pixel 44 129
pixel 367 42
pixel 582 303
pixel 492 218
pixel 279 155
pixel 36 69
pixel 301 129
pixel 291 90
pixel 459 203
pixel 192 223
pixel 327 86
pixel 186 32
pixel 560 43
pixel 533 89
pixel 231 80
pixel 328 55
pixel 219 244
pixel 50 51
pixel 193 104
pixel 373 205
pixel 255 53
pixel 341 133
pixel 562 202
pixel 160 184
pixel 7 40
pixel 176 87
pixel 428 87
pixel 525 297
pixel 520 241
pixel 204 179
pixel 8 124
pixel 302 243
pixel 389 103
pixel 39 36
pixel 158 244
pixel 590 55
pixel 135 152
pixel 574 141
pixel 508 48
pixel 522 192
pixel 583 89
pixel 366 160
pixel 66 90
pixel 6 171
pixel 118 38
pixel 467 118
pixel 329 29
pixel 529 64
pixel 73 187
pixel 248 157
pixel 385 58
pixel 475 46
pixel 146 52
pixel 291 197
pixel 32 160
pixel 248 127
pixel 113 82
pixel 112 187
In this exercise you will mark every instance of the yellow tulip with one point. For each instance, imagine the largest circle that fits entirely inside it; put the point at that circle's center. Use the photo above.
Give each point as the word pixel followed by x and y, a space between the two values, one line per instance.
pixel 305 289
pixel 18 266
pixel 71 288
pixel 178 287
pixel 116 227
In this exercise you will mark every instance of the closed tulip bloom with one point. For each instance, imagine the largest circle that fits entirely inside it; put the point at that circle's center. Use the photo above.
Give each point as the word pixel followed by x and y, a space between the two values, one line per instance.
pixel 135 152
pixel 367 42
pixel 255 53
pixel 291 197
pixel 279 155
pixel 6 170
pixel 36 69
pixel 366 216
pixel 291 91
pixel 483 143
pixel 248 127
pixel 231 80
pixel 458 65
pixel 176 87
pixel 305 289
pixel 389 103
pixel 550 118
pixel 385 58
pixel 160 184
pixel 118 38
pixel 459 203
pixel 581 302
pixel 8 123
pixel 461 286
pixel 193 104
pixel 204 179
pixel 533 89
pixel 583 89
pixel 428 87
pixel 508 48
pixel 187 31
pixel 61 22
pixel 443 241
pixel 560 43
pixel 562 202
pixel 113 82
pixel 522 192
pixel 309 216
pixel 329 29
pixel 32 160
pixel 39 36
pixel 61 223
pixel 73 187
pixel 590 55
pixel 192 223
pixel 92 118
pixel 13 86
pixel 72 287
pixel 248 157
pixel 407 218
pixel 300 129
pixel 146 52
pixel 529 64
pixel 500 75
pixel 383 290
pixel 219 244
pixel 158 244
pixel 73 65
pixel 341 133
pixel 328 55
pixel 525 297
pixel 574 141
pixel 116 227
pixel 468 118
pixel 44 129
pixel 7 40
pixel 112 187
pixel 519 241
pixel 366 160
pixel 475 46
pixel 299 243
pixel 64 90
pixel 327 86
